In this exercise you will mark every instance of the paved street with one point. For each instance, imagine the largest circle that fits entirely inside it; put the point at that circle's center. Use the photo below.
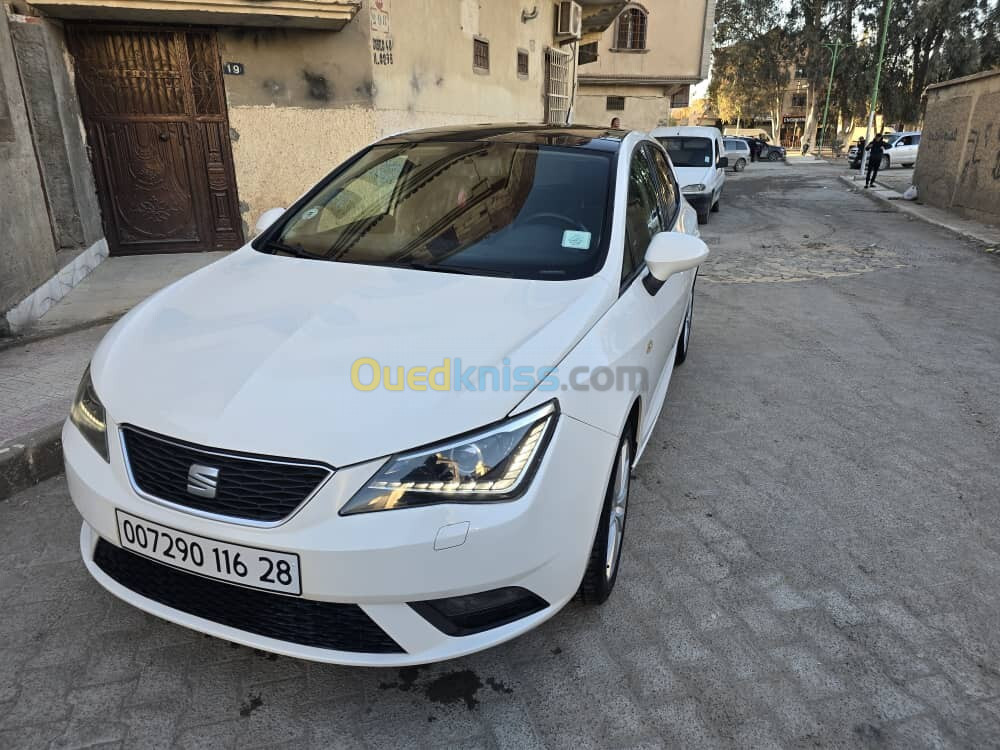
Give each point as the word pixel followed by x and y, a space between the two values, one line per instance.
pixel 812 557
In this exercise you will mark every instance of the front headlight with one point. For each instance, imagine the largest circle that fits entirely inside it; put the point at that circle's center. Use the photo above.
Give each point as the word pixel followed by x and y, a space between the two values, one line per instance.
pixel 495 463
pixel 89 417
pixel 699 188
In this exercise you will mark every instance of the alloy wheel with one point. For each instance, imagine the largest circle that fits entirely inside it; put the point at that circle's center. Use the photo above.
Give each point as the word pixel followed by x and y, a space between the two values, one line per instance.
pixel 619 506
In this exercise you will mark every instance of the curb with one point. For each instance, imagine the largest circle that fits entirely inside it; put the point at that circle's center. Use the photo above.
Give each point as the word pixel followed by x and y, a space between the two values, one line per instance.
pixel 26 461
pixel 897 203
pixel 9 342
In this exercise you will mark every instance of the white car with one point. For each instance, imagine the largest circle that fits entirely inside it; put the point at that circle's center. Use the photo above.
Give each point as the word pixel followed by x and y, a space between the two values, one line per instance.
pixel 901 148
pixel 398 426
pixel 737 153
pixel 699 161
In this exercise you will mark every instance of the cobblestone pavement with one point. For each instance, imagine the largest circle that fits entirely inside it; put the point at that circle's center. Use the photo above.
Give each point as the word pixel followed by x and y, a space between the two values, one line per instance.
pixel 38 380
pixel 811 560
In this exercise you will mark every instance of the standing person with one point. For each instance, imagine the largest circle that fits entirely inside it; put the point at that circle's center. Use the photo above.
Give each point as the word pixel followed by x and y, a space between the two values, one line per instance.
pixel 615 123
pixel 875 149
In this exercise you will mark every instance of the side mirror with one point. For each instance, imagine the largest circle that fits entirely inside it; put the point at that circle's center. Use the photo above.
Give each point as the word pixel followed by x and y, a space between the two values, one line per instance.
pixel 670 253
pixel 267 219
pixel 723 162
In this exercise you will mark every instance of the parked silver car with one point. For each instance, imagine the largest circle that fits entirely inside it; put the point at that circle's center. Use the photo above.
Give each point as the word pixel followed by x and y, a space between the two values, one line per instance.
pixel 738 152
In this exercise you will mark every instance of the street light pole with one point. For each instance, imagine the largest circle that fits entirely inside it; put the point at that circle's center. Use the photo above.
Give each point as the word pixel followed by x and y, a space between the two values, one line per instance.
pixel 829 88
pixel 878 75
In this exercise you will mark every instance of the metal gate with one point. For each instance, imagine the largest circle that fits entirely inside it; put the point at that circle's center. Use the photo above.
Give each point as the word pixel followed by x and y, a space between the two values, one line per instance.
pixel 156 123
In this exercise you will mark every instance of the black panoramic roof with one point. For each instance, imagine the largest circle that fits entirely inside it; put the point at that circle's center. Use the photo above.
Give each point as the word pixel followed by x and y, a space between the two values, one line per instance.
pixel 573 136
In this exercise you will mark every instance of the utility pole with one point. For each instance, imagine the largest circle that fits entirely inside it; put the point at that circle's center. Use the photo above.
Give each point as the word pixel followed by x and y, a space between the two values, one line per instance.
pixel 835 48
pixel 878 75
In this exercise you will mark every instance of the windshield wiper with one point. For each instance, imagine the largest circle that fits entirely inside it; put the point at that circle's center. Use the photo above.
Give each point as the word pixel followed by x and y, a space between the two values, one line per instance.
pixel 296 252
pixel 464 270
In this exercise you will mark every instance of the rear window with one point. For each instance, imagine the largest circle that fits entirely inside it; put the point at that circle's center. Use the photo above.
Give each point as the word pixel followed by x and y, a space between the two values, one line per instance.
pixel 733 144
pixel 487 208
pixel 688 152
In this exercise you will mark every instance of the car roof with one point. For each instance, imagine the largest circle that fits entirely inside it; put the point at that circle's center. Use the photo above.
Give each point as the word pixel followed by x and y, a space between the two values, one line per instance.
pixel 571 136
pixel 702 131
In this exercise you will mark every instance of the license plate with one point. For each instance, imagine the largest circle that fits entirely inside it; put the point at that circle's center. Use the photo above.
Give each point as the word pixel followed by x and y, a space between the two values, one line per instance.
pixel 234 563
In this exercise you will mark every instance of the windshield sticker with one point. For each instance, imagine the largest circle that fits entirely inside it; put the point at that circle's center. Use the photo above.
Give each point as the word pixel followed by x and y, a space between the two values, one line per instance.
pixel 708 159
pixel 310 213
pixel 576 240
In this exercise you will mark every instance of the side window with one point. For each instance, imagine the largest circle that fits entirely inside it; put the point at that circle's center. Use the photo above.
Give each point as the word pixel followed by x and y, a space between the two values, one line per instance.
pixel 668 187
pixel 642 213
pixel 916 140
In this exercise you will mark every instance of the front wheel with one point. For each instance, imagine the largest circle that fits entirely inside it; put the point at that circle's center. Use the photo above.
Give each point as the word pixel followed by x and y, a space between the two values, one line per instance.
pixel 602 567
pixel 740 165
pixel 703 215
pixel 773 156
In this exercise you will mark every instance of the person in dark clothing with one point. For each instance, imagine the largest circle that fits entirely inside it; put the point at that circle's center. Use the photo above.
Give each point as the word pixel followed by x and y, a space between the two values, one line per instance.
pixel 754 149
pixel 875 150
pixel 859 154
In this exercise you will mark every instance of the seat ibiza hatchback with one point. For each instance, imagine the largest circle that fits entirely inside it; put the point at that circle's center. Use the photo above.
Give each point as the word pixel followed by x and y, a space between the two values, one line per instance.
pixel 398 426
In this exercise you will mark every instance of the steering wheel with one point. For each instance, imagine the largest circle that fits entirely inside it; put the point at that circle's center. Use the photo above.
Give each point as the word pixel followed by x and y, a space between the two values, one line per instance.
pixel 545 217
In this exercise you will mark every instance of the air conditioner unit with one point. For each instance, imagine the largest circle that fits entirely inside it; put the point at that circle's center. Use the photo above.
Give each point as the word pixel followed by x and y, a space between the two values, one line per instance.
pixel 570 20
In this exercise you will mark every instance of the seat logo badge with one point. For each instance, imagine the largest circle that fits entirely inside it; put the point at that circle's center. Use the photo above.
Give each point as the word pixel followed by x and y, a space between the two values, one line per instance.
pixel 203 481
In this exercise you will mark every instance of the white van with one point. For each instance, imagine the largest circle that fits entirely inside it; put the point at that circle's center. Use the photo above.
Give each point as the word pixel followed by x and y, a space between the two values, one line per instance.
pixel 700 162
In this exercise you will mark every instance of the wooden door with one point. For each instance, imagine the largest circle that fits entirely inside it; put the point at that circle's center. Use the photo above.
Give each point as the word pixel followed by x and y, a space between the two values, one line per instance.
pixel 156 123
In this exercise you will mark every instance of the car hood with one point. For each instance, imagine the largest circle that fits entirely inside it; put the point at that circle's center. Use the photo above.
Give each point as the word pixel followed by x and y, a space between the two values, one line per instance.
pixel 693 175
pixel 254 353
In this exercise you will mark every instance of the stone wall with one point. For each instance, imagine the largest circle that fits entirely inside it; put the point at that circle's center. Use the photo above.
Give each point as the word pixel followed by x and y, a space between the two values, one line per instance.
pixel 27 250
pixel 959 164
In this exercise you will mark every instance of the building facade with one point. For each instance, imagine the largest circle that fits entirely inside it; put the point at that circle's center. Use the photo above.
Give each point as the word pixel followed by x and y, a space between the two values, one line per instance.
pixel 154 126
pixel 644 63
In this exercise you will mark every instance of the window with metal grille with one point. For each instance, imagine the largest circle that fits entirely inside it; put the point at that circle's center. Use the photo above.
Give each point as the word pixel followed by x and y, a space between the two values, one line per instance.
pixel 631 30
pixel 557 89
pixel 522 63
pixel 682 98
pixel 798 100
pixel 616 103
pixel 480 54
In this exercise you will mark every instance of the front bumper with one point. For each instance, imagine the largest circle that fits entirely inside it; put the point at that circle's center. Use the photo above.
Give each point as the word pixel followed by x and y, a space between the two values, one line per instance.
pixel 382 561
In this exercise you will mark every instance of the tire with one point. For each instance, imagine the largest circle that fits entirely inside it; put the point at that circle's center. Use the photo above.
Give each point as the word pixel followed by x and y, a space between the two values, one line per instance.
pixel 602 566
pixel 715 206
pixel 684 339
pixel 703 216
pixel 774 156
pixel 740 165
pixel 885 163
pixel 907 166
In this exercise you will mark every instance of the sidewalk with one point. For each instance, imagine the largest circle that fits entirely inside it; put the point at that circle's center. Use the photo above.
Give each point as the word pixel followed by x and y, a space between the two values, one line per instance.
pixel 974 230
pixel 39 371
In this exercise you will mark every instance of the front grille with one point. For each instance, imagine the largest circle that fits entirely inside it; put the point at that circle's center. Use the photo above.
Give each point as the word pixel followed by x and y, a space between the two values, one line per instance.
pixel 255 488
pixel 341 627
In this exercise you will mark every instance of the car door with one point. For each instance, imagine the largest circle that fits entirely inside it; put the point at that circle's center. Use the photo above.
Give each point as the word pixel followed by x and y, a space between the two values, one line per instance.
pixel 720 172
pixel 673 296
pixel 639 353
pixel 904 152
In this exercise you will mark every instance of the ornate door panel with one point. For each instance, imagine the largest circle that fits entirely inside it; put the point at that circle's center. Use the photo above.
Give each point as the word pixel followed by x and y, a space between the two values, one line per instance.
pixel 156 123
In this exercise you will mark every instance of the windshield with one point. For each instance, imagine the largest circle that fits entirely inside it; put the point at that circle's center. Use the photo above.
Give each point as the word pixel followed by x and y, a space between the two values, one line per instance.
pixel 506 209
pixel 688 152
